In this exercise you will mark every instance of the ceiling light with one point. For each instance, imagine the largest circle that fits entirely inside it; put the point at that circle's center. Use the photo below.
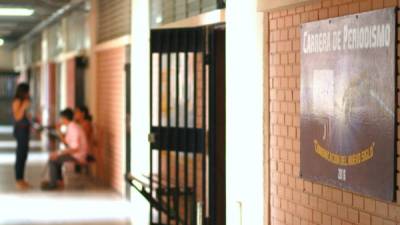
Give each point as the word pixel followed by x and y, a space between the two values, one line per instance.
pixel 159 19
pixel 1 42
pixel 16 12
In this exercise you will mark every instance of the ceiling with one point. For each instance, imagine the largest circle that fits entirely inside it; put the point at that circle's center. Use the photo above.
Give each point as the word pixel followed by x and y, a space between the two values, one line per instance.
pixel 13 28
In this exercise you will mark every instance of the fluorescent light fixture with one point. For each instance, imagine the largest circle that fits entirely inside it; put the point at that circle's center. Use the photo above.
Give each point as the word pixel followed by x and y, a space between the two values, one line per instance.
pixel 16 12
pixel 1 42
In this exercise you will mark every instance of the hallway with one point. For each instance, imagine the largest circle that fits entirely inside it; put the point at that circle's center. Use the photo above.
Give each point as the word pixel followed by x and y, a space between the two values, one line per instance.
pixel 82 201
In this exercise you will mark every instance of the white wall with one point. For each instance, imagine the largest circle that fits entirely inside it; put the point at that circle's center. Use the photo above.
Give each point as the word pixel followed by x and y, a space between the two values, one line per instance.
pixel 6 59
pixel 245 197
pixel 140 83
pixel 244 153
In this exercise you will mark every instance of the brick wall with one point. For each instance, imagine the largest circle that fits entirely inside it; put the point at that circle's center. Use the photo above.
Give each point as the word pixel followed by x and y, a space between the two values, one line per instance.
pixel 110 116
pixel 294 200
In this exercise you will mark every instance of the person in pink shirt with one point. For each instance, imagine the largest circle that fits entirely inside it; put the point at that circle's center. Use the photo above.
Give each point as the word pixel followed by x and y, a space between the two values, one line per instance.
pixel 76 150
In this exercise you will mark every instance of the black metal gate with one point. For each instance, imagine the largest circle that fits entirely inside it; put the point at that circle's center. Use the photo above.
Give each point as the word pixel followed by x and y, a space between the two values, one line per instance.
pixel 179 106
pixel 186 184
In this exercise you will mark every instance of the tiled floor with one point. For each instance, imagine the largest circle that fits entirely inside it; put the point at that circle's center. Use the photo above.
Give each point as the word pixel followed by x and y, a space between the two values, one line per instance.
pixel 74 206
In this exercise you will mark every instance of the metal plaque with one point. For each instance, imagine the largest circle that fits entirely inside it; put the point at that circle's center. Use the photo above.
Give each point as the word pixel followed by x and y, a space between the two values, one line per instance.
pixel 348 102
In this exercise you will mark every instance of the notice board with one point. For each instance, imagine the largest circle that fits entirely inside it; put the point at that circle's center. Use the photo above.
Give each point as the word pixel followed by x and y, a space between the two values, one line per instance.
pixel 348 103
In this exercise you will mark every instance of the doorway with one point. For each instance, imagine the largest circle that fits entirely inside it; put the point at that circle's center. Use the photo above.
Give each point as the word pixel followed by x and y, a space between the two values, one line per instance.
pixel 8 82
pixel 186 183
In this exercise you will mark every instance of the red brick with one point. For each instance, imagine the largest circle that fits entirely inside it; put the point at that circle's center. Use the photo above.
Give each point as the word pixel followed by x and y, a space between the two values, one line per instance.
pixel 273 24
pixel 347 198
pixel 281 23
pixel 308 7
pixel 326 220
pixel 354 8
pixel 388 222
pixel 313 202
pixel 337 195
pixel 342 211
pixel 343 10
pixel 308 213
pixel 382 208
pixel 336 221
pixel 352 215
pixel 313 15
pixel 322 205
pixel 317 189
pixel 304 17
pixel 337 2
pixel 377 4
pixel 288 21
pixel 390 3
pixel 376 220
pixel 358 202
pixel 299 184
pixel 394 212
pixel 369 205
pixel 333 11
pixel 276 14
pixel 327 192
pixel 365 5
pixel 323 13
pixel 365 218
pixel 291 11
pixel 317 217
pixel 332 209
pixel 296 19
pixel 326 3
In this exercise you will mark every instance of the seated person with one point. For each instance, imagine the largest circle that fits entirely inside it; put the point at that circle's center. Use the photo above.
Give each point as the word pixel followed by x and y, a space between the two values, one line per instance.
pixel 83 118
pixel 76 150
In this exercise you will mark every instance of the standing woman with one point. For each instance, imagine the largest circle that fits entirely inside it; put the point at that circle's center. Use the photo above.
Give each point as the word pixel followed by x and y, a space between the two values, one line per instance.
pixel 22 126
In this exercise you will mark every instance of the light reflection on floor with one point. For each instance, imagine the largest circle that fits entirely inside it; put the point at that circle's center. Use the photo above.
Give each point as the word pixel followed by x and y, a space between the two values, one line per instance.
pixel 91 205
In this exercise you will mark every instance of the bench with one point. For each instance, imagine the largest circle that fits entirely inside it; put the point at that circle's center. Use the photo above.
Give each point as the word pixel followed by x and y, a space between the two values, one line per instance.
pixel 76 175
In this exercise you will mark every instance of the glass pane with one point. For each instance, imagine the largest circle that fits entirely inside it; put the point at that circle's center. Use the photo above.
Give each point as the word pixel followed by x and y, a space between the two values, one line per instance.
pixel 182 89
pixel 164 89
pixel 190 90
pixel 155 76
pixel 173 90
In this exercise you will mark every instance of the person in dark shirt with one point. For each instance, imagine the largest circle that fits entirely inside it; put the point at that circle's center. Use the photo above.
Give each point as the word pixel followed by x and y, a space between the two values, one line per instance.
pixel 22 126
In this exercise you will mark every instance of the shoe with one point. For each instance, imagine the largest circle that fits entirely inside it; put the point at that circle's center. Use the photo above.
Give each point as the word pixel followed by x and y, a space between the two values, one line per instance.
pixel 26 184
pixel 60 185
pixel 22 185
pixel 47 186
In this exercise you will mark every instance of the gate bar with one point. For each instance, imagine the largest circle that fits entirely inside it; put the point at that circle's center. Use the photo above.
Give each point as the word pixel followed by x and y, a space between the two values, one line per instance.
pixel 186 125
pixel 194 210
pixel 160 64
pixel 168 126
pixel 177 210
pixel 204 74
pixel 151 124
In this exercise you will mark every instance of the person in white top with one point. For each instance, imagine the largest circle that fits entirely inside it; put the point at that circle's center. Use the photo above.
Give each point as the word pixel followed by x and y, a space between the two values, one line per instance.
pixel 76 150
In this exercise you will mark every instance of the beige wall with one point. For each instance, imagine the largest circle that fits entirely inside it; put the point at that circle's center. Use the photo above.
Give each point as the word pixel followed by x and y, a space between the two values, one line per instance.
pixel 293 199
pixel 6 59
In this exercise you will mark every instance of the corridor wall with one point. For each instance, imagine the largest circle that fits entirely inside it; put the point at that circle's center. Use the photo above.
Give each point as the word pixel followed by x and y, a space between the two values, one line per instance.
pixel 110 116
pixel 294 200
